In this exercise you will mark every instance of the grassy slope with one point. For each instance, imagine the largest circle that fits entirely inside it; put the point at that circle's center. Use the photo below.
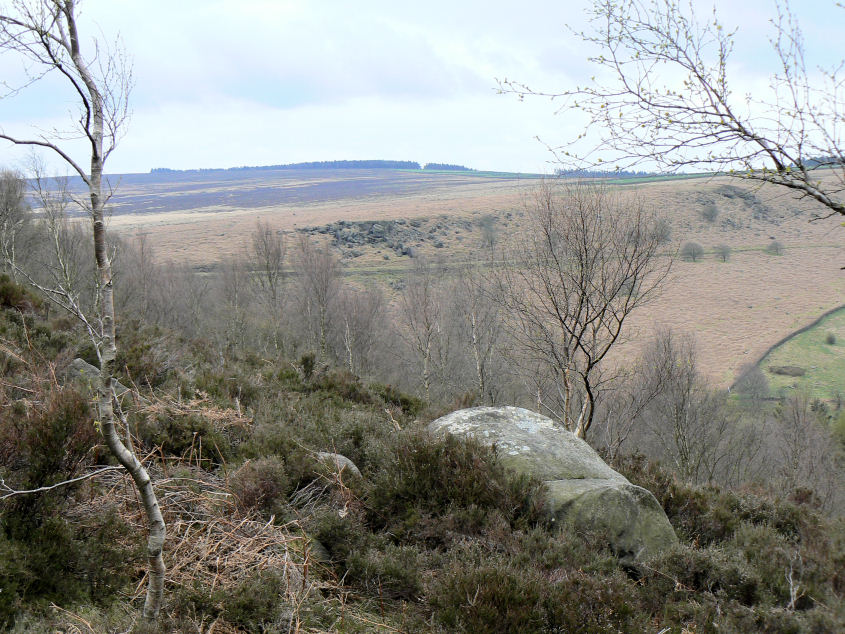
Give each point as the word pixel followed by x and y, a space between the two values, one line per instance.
pixel 823 362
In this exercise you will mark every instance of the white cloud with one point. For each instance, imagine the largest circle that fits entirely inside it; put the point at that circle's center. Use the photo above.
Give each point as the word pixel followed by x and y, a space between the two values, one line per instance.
pixel 226 82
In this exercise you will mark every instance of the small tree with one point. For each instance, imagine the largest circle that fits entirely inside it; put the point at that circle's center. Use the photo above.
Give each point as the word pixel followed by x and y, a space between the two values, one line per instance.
pixel 774 248
pixel 44 33
pixel 266 257
pixel 14 214
pixel 752 382
pixel 318 276
pixel 589 260
pixel 692 251
pixel 690 422
pixel 723 252
pixel 422 310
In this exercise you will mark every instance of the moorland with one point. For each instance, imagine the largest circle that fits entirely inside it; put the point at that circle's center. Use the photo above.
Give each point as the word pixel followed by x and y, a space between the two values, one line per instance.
pixel 736 308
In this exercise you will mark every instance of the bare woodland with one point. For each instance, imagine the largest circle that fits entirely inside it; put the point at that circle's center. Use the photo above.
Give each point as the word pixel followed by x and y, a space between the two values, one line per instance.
pixel 530 324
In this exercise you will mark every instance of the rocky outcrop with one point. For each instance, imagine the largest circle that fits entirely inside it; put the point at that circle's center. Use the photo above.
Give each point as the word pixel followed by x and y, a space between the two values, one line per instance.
pixel 583 491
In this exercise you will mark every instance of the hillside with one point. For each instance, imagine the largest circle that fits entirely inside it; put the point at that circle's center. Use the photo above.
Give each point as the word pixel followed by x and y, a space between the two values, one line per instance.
pixel 736 309
pixel 265 536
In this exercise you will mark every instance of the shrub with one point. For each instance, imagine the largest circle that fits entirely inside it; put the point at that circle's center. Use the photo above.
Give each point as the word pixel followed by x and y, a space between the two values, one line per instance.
pixel 410 405
pixel 713 570
pixel 343 384
pixel 13 295
pixel 830 339
pixel 140 358
pixel 774 248
pixel 692 251
pixel 708 515
pixel 46 557
pixel 395 572
pixel 488 597
pixel 709 213
pixel 425 485
pixel 787 370
pixel 256 604
pixel 47 444
pixel 227 387
pixel 723 252
pixel 260 484
pixel 188 436
pixel 492 595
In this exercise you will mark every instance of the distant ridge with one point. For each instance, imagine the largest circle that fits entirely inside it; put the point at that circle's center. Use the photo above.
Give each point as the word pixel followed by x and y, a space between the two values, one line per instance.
pixel 605 174
pixel 447 167
pixel 370 164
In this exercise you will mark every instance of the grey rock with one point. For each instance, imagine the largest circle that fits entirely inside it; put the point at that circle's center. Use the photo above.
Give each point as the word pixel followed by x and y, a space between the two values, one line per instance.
pixel 583 492
pixel 338 461
pixel 629 516
pixel 528 442
pixel 82 370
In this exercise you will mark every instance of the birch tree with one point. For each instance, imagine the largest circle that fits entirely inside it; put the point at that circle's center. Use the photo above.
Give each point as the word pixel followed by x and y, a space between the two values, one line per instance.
pixel 664 94
pixel 44 35
pixel 14 214
pixel 589 260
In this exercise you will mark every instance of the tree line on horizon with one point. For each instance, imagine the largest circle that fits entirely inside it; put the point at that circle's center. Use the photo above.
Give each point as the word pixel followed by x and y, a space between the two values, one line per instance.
pixel 345 164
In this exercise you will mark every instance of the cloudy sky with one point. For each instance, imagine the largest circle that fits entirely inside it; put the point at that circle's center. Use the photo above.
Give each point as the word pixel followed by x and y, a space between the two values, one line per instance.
pixel 222 83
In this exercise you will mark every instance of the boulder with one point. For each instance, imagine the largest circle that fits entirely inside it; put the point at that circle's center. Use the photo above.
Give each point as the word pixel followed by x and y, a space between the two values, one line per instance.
pixel 583 491
pixel 339 462
pixel 82 370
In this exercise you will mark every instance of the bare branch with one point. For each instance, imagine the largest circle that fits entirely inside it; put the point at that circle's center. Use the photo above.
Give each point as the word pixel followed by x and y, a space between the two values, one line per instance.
pixel 10 492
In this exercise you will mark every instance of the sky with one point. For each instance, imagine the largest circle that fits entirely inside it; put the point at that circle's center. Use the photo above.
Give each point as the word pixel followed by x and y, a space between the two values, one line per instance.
pixel 222 83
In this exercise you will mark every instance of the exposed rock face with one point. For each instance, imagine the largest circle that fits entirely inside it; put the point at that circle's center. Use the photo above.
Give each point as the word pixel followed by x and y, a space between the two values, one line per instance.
pixel 582 490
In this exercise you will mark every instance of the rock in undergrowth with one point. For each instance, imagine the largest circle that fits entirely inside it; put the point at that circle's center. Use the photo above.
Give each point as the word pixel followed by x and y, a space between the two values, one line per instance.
pixel 583 491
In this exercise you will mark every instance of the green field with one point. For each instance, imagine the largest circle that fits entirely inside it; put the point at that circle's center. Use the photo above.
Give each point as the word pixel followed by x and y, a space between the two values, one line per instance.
pixel 823 362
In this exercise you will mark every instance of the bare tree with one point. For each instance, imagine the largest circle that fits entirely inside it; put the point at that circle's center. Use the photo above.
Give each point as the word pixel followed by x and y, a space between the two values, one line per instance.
pixel 422 312
pixel 44 33
pixel 266 257
pixel 480 320
pixel 360 326
pixel 590 259
pixel 318 275
pixel 692 251
pixel 235 301
pixel 723 252
pixel 14 214
pixel 663 94
pixel 804 450
pixel 752 383
pixel 693 428
pixel 774 248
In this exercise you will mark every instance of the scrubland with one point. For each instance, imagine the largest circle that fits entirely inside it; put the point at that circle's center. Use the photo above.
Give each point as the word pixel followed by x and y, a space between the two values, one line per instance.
pixel 249 361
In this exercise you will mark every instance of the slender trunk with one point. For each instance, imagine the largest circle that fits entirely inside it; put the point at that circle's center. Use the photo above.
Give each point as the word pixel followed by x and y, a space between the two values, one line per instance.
pixel 107 351
pixel 347 341
pixel 426 374
pixel 479 370
pixel 322 333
